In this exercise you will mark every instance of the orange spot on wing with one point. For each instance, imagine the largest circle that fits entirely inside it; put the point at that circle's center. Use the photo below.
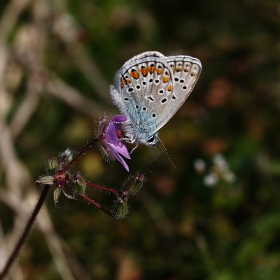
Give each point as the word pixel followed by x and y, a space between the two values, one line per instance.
pixel 169 88
pixel 159 71
pixel 165 79
pixel 125 82
pixel 144 71
pixel 134 74
pixel 151 69
pixel 178 69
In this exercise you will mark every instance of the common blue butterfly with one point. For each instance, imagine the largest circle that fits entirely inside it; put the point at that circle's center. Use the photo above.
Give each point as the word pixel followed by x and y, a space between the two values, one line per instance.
pixel 149 89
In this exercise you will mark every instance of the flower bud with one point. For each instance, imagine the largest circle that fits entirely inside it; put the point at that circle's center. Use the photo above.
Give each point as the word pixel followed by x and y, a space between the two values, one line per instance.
pixel 52 164
pixel 79 185
pixel 56 194
pixel 134 184
pixel 121 209
pixel 46 180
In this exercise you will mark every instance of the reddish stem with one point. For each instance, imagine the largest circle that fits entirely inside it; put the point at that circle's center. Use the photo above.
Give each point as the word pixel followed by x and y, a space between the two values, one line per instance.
pixel 102 188
pixel 97 205
pixel 25 233
pixel 81 152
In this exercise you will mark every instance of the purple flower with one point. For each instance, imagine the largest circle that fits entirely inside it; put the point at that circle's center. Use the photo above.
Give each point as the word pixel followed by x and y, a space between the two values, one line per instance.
pixel 110 136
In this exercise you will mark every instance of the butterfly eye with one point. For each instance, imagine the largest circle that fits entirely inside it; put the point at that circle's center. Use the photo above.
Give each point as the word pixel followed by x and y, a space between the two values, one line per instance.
pixel 152 139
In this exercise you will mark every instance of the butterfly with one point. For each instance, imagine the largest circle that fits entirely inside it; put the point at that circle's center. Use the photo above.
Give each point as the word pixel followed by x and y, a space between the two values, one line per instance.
pixel 149 89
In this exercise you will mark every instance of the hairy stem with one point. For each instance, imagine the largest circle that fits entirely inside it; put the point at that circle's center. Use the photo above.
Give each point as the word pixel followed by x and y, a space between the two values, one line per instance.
pixel 25 233
pixel 96 205
pixel 102 188
pixel 81 152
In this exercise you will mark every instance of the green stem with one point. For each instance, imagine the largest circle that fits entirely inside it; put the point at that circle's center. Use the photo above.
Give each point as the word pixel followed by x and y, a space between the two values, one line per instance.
pixel 25 233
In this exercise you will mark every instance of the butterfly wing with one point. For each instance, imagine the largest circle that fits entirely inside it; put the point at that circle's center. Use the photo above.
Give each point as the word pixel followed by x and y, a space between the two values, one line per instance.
pixel 150 88
pixel 185 73
pixel 140 85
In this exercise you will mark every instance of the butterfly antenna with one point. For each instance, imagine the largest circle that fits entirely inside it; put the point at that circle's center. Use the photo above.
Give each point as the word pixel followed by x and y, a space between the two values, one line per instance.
pixel 167 154
pixel 152 159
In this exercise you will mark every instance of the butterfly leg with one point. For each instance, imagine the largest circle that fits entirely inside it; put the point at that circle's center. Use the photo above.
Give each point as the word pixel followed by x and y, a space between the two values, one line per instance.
pixel 131 140
pixel 134 147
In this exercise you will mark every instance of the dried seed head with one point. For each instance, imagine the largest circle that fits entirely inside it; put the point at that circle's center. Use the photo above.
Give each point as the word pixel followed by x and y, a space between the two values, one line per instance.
pixel 133 185
pixel 46 180
pixel 56 194
pixel 120 209
pixel 79 184
pixel 52 164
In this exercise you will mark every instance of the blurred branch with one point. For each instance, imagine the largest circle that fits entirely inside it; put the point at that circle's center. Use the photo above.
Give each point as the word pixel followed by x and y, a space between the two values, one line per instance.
pixel 67 29
pixel 53 241
pixel 10 16
pixel 72 97
pixel 22 209
pixel 91 71
pixel 78 270
pixel 20 242
pixel 6 243
pixel 11 165
pixel 26 109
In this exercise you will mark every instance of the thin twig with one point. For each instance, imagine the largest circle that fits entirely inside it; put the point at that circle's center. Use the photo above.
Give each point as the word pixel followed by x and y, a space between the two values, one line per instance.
pixel 25 232
pixel 80 153
pixel 96 205
pixel 101 188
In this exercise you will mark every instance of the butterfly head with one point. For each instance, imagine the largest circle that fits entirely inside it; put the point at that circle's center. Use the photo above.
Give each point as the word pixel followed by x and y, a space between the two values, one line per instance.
pixel 150 141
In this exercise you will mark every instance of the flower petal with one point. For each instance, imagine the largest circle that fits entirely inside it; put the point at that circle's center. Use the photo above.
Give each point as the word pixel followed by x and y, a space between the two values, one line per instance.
pixel 118 118
pixel 111 134
pixel 112 150
pixel 113 126
pixel 121 149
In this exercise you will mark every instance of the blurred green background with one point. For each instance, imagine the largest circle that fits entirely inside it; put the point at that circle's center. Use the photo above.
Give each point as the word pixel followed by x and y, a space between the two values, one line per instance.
pixel 215 216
